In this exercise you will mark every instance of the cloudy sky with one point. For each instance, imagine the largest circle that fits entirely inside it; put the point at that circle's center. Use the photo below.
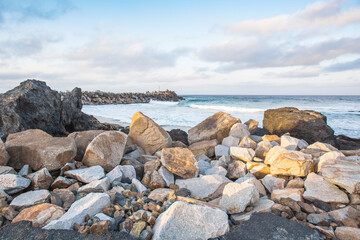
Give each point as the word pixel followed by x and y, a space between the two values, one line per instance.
pixel 192 47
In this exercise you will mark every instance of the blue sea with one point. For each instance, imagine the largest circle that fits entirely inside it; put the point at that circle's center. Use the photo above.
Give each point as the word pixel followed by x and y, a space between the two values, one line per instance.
pixel 342 112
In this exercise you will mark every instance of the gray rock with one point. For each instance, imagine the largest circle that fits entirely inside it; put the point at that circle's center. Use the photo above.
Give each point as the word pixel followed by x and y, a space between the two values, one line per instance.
pixel 167 175
pixel 203 166
pixel 202 186
pixel 216 171
pixel 101 185
pixel 202 157
pixel 25 170
pixel 7 169
pixel 30 198
pixel 263 205
pixel 230 141
pixel 90 205
pixel 86 175
pixel 222 150
pixel 224 161
pixel 115 174
pixel 236 197
pixel 12 183
pixel 188 221
pixel 271 183
pixel 139 186
pixel 239 130
pixel 317 188
pixel 128 171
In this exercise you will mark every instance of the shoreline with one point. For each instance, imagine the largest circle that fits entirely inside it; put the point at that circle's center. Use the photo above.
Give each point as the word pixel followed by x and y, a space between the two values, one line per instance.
pixel 142 182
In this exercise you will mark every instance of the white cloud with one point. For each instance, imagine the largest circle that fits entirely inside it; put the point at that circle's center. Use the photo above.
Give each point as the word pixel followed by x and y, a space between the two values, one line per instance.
pixel 123 56
pixel 315 18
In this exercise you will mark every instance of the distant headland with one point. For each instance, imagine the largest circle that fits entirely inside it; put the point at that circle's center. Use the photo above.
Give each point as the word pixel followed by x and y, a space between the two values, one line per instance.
pixel 101 98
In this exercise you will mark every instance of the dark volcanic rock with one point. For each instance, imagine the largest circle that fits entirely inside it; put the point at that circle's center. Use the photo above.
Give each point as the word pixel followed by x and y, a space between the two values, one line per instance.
pixel 347 143
pixel 179 135
pixel 23 230
pixel 33 105
pixel 308 125
pixel 266 226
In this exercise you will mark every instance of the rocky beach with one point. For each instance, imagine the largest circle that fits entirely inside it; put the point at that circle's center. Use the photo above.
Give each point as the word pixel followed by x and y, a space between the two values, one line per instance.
pixel 65 175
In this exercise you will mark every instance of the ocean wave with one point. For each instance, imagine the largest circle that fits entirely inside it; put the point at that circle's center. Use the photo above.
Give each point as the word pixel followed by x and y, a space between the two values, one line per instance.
pixel 227 108
pixel 163 102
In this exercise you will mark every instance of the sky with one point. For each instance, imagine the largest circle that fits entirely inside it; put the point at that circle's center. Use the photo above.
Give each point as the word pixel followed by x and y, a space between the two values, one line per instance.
pixel 232 47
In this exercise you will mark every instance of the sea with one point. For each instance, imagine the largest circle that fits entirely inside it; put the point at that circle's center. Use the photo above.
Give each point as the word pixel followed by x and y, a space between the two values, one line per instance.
pixel 342 112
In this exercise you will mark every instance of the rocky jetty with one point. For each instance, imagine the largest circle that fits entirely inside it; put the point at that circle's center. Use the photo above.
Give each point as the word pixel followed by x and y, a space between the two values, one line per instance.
pixel 231 182
pixel 99 97
pixel 34 105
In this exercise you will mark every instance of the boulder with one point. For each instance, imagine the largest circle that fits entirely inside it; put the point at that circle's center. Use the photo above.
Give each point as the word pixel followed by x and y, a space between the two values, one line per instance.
pixel 262 149
pixel 325 147
pixel 82 140
pixel 128 172
pixel 222 150
pixel 155 181
pixel 147 134
pixel 292 163
pixel 244 154
pixel 41 179
pixel 179 135
pixel 262 206
pixel 272 183
pixel 180 161
pixel 271 227
pixel 30 198
pixel 4 156
pixel 62 182
pixel 139 186
pixel 202 186
pixel 203 166
pixel 216 127
pixel 86 175
pixel 115 174
pixel 90 205
pixel 106 150
pixel 252 125
pixel 291 143
pixel 39 150
pixel 330 156
pixel 346 233
pixel 259 170
pixel 33 105
pixel 271 138
pixel 25 170
pixel 236 169
pixel 292 193
pixel 12 183
pixel 101 185
pixel 217 170
pixel 345 174
pixel 239 130
pixel 188 221
pixel 160 194
pixel 342 215
pixel 236 197
pixel 65 195
pixel 206 147
pixel 40 215
pixel 231 141
pixel 308 125
pixel 6 170
pixel 273 154
pixel 317 188
pixel 247 143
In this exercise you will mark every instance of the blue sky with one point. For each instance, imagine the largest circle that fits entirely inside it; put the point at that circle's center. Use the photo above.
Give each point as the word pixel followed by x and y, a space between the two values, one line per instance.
pixel 192 47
